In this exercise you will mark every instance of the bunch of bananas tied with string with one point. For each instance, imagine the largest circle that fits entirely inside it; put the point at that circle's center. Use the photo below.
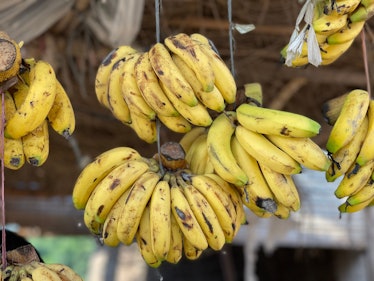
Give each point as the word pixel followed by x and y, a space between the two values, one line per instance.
pixel 258 150
pixel 351 148
pixel 335 24
pixel 180 82
pixel 34 99
pixel 158 203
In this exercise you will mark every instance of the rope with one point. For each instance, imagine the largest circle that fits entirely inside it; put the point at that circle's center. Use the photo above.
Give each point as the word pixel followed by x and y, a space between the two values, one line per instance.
pixel 231 37
pixel 365 57
pixel 3 238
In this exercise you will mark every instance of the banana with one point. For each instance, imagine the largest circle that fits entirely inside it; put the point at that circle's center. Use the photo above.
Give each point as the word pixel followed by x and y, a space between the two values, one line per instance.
pixel 130 90
pixel 332 108
pixel 340 7
pixel 150 89
pixel 350 118
pixel 329 24
pixel 116 102
pixel 366 151
pixel 14 58
pixel 343 159
pixel 282 211
pixel 283 187
pixel 330 53
pixel 97 170
pixel 219 200
pixel 362 195
pixel 197 157
pixel 212 99
pixel 276 122
pixel 197 115
pixel 259 212
pixel 185 217
pixel 188 138
pixel 256 191
pixel 363 12
pixel 138 198
pixel 14 157
pixel 177 124
pixel 190 251
pixel 42 273
pixel 145 128
pixel 143 239
pixel 348 208
pixel 224 80
pixel 169 74
pixel 204 214
pixel 14 275
pixel 304 150
pixel 347 33
pixel 61 116
pixel 36 105
pixel 185 47
pixel 176 242
pixel 265 152
pixel 354 179
pixel 104 70
pixel 65 272
pixel 36 145
pixel 219 149
pixel 160 221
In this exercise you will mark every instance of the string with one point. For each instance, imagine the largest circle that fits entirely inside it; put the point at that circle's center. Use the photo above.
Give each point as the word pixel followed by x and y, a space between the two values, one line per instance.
pixel 231 37
pixel 365 58
pixel 3 241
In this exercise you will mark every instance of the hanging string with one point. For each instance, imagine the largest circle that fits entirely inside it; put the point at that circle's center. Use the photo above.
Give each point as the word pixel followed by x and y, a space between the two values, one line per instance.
pixel 365 58
pixel 231 37
pixel 3 238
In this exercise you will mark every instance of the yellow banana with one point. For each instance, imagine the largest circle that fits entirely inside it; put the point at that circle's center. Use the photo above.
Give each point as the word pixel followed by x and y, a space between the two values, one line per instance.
pixel 347 33
pixel 348 208
pixel 219 149
pixel 138 198
pixel 182 45
pixel 332 108
pixel 213 99
pixel 176 242
pixel 265 152
pixel 150 89
pixel 145 128
pixel 343 159
pixel 282 212
pixel 256 191
pixel 330 53
pixel 185 217
pixel 36 105
pixel 197 157
pixel 350 118
pixel 188 138
pixel 189 250
pixel 354 179
pixel 143 239
pixel 259 212
pixel 276 122
pixel 14 62
pixel 115 100
pixel 204 214
pixel 340 7
pixel 283 187
pixel 177 124
pixel 61 116
pixel 160 221
pixel 42 273
pixel 65 272
pixel 130 90
pixel 169 74
pixel 197 115
pixel 303 150
pixel 36 145
pixel 97 170
pixel 329 24
pixel 362 195
pixel 220 202
pixel 224 80
pixel 14 157
pixel 104 70
pixel 367 149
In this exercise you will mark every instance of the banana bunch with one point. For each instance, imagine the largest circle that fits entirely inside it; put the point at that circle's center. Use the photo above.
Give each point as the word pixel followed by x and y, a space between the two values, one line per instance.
pixel 38 271
pixel 158 203
pixel 258 152
pixel 34 102
pixel 336 24
pixel 350 147
pixel 180 82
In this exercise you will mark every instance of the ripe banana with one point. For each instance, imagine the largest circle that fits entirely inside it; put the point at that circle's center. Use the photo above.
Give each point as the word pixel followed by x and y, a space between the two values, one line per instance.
pixel 276 122
pixel 104 70
pixel 330 53
pixel 177 124
pixel 97 170
pixel 182 45
pixel 283 187
pixel 213 99
pixel 350 118
pixel 160 221
pixel 265 152
pixel 176 242
pixel 366 151
pixel 204 214
pixel 304 150
pixel 282 211
pixel 197 157
pixel 256 191
pixel 347 33
pixel 329 24
pixel 332 108
pixel 219 149
pixel 63 271
pixel 224 80
pixel 61 116
pixel 144 240
pixel 366 193
pixel 188 138
pixel 348 208
pixel 38 102
pixel 138 198
pixel 185 217
pixel 150 89
pixel 145 128
pixel 169 74
pixel 43 273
